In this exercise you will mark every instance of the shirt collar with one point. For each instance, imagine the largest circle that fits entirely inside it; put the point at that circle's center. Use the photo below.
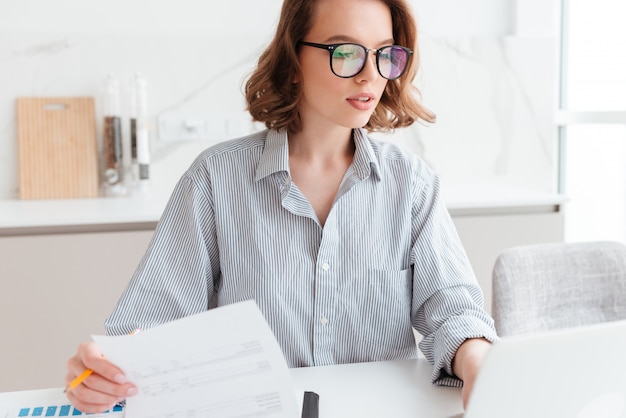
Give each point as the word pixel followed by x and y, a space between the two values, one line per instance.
pixel 365 159
pixel 275 156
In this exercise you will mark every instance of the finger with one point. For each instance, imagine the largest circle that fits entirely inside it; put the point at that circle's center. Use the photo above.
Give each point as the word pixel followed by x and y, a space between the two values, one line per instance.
pixel 101 388
pixel 105 386
pixel 89 356
pixel 466 394
pixel 100 385
pixel 90 405
pixel 99 394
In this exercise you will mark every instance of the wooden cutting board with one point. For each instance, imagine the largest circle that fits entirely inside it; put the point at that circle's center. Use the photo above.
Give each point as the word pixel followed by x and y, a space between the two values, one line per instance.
pixel 57 147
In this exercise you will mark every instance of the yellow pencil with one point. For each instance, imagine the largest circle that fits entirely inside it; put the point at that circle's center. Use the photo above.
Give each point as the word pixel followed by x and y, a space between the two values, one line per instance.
pixel 84 375
pixel 78 380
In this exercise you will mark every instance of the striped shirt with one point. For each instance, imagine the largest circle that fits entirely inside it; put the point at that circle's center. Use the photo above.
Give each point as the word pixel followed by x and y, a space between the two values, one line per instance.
pixel 387 260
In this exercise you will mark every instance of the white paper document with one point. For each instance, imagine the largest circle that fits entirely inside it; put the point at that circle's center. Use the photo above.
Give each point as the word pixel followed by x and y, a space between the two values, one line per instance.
pixel 222 363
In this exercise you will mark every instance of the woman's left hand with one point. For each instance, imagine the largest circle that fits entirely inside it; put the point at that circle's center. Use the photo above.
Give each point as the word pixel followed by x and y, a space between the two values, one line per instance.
pixel 466 364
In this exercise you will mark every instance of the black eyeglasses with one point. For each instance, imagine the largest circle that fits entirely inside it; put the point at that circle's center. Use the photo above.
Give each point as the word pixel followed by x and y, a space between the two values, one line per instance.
pixel 347 60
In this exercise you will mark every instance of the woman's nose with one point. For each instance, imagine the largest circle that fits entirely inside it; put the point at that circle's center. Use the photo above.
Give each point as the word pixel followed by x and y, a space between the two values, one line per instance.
pixel 370 70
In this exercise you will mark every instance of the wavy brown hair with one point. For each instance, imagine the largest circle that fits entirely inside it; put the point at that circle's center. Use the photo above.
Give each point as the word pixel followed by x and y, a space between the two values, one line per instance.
pixel 273 97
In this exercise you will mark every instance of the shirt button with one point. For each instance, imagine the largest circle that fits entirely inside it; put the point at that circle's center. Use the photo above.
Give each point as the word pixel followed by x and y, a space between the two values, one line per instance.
pixel 324 320
pixel 325 266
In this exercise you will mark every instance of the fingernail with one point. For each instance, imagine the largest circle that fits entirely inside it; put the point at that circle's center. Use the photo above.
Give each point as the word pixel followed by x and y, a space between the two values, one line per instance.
pixel 131 392
pixel 120 378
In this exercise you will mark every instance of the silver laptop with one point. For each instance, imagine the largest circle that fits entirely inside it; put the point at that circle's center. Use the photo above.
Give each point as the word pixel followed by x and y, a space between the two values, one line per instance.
pixel 573 373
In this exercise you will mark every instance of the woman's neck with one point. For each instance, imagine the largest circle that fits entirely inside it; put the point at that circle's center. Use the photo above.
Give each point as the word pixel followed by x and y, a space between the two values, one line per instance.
pixel 318 162
pixel 319 144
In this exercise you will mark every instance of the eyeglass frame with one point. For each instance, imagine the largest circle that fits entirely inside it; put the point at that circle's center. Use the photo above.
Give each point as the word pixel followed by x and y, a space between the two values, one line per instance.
pixel 331 47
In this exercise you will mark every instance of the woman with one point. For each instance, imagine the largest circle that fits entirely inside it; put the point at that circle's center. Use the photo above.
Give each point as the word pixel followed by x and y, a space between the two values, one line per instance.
pixel 342 240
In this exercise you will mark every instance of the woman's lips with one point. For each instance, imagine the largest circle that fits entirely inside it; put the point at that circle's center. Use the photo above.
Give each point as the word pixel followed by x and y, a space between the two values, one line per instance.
pixel 362 101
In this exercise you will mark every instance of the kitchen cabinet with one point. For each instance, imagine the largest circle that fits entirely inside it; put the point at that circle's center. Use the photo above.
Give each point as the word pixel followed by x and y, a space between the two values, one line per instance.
pixel 55 292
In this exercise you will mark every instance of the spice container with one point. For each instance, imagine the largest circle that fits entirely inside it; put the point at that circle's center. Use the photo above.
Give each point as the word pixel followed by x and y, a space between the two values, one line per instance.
pixel 139 134
pixel 112 139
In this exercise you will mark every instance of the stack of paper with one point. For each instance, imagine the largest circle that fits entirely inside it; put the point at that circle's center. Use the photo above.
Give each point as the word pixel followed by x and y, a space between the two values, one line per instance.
pixel 222 363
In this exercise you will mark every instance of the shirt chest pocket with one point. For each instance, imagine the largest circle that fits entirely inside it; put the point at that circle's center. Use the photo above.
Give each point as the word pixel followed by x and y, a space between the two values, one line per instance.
pixel 385 306
pixel 390 287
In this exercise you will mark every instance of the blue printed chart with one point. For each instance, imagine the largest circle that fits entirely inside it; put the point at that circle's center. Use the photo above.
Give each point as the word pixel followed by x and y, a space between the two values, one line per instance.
pixel 55 411
pixel 45 404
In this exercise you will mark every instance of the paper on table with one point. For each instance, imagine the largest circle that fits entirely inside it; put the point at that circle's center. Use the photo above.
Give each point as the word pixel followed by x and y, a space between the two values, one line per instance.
pixel 222 363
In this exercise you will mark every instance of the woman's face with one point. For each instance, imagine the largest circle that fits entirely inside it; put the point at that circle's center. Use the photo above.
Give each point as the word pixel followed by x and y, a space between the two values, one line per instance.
pixel 331 101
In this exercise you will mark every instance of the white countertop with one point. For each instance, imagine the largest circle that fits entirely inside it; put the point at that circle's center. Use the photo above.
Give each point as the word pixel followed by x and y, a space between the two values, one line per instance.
pixel 21 217
pixel 490 198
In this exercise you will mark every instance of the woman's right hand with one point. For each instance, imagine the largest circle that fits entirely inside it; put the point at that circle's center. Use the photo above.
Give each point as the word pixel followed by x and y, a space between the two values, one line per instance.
pixel 104 388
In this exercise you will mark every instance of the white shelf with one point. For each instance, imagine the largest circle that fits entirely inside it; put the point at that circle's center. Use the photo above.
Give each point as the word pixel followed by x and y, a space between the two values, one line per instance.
pixel 483 199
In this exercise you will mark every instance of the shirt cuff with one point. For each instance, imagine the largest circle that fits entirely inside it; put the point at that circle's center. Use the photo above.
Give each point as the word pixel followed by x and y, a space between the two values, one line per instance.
pixel 445 342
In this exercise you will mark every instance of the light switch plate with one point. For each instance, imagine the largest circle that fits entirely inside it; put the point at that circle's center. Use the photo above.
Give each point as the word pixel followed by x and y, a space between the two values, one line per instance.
pixel 214 127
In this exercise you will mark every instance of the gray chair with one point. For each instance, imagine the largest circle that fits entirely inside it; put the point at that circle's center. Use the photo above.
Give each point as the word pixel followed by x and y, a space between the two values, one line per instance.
pixel 544 287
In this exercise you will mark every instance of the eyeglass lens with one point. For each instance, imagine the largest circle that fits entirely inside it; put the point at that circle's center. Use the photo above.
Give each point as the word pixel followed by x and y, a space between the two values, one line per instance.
pixel 347 60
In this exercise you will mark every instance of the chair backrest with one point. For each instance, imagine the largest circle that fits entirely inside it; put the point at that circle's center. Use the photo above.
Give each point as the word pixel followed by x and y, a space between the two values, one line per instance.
pixel 544 287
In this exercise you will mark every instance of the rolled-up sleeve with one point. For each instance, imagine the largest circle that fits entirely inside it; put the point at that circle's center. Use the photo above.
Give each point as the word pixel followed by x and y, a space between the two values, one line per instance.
pixel 447 304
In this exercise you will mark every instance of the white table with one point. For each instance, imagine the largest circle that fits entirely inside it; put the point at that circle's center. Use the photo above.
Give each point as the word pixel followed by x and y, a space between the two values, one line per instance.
pixel 390 389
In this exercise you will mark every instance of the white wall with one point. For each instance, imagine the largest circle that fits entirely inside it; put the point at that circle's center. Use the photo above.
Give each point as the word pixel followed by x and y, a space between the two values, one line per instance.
pixel 487 71
pixel 474 18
